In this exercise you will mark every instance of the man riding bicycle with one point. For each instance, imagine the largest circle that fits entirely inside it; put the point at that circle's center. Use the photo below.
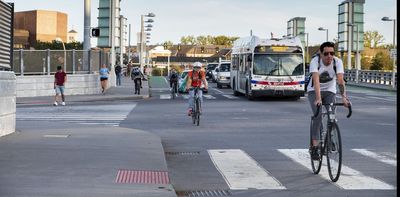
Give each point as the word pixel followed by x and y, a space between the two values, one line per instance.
pixel 136 76
pixel 325 69
pixel 173 80
pixel 195 78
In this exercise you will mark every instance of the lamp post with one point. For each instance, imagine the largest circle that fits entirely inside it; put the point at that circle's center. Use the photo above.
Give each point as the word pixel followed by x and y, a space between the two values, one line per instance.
pixel 58 39
pixel 142 42
pixel 394 48
pixel 357 52
pixel 323 29
pixel 304 33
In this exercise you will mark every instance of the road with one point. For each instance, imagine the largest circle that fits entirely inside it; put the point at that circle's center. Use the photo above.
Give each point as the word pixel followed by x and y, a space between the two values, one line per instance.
pixel 253 148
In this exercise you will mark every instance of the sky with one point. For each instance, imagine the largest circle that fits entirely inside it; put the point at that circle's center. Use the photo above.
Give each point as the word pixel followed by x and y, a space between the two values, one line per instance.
pixel 177 18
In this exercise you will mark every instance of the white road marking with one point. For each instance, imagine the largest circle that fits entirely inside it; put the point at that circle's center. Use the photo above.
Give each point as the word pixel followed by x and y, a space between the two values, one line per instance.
pixel 240 118
pixel 229 96
pixel 165 96
pixel 379 157
pixel 349 178
pixel 241 172
pixel 207 96
pixel 185 96
pixel 160 89
pixel 218 90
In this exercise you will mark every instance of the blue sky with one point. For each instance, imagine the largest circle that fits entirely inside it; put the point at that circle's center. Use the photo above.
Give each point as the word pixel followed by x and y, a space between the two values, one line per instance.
pixel 176 18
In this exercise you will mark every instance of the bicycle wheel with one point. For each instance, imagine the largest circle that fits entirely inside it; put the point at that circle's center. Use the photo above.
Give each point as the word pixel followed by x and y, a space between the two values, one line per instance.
pixel 315 164
pixel 198 111
pixel 334 152
pixel 173 93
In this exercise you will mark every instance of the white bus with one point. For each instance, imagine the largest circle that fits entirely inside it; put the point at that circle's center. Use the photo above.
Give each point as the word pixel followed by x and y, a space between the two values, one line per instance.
pixel 267 67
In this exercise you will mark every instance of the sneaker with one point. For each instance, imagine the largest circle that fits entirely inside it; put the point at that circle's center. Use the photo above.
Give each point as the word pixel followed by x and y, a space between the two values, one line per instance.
pixel 63 103
pixel 314 153
pixel 55 103
pixel 189 112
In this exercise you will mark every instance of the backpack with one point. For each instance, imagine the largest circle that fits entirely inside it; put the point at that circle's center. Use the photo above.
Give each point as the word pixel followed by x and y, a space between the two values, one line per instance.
pixel 174 75
pixel 309 76
pixel 135 72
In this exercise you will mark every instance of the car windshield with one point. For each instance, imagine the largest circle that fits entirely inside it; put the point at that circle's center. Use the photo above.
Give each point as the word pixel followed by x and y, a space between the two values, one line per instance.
pixel 224 68
pixel 211 66
pixel 278 65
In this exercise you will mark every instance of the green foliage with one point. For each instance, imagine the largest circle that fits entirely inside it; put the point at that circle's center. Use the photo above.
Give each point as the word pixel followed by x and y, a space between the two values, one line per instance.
pixel 372 39
pixel 365 63
pixel 54 45
pixel 381 61
pixel 207 40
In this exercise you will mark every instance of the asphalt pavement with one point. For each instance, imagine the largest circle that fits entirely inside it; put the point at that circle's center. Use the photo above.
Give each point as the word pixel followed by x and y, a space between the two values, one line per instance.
pixel 64 159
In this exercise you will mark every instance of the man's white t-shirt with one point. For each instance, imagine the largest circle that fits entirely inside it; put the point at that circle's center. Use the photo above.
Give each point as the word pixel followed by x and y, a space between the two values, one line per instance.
pixel 326 70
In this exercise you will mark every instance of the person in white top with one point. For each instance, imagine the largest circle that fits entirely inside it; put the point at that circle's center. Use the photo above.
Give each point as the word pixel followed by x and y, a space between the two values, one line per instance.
pixel 327 72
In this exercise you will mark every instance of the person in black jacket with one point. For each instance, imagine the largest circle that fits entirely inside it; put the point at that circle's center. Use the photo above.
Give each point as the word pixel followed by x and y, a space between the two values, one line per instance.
pixel 118 73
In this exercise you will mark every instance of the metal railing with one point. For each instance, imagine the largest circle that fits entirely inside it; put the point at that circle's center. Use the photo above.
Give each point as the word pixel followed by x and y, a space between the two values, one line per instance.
pixel 371 77
pixel 45 62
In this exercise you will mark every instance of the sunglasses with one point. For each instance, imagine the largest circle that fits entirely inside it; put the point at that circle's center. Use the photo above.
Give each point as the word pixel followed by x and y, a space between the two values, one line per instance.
pixel 329 53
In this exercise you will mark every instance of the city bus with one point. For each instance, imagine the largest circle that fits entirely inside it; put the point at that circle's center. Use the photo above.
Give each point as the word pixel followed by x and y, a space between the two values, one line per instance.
pixel 267 67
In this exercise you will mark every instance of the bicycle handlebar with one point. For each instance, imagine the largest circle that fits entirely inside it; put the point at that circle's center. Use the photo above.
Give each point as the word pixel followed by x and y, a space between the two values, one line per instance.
pixel 335 104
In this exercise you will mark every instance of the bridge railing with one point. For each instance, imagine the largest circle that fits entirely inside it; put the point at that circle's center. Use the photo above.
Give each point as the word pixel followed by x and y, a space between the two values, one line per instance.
pixel 373 77
pixel 45 62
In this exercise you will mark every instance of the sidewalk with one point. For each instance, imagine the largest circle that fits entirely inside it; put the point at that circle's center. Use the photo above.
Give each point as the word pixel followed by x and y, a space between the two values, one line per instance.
pixel 84 162
pixel 123 92
pixel 48 159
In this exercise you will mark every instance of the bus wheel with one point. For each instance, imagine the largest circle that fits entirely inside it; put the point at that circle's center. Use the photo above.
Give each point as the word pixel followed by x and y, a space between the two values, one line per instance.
pixel 248 95
pixel 235 92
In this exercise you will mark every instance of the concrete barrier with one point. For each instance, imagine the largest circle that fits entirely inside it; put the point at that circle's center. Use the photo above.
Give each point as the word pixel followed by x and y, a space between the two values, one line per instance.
pixel 7 102
pixel 43 85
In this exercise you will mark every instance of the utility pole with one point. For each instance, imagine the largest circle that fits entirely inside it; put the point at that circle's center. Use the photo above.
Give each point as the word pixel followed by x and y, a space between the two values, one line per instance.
pixel 86 33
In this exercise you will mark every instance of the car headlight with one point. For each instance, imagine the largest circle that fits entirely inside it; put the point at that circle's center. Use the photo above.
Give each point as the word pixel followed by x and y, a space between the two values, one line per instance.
pixel 222 78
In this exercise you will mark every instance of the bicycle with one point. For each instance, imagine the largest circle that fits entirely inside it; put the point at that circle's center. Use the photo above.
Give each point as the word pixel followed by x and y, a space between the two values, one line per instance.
pixel 197 106
pixel 330 143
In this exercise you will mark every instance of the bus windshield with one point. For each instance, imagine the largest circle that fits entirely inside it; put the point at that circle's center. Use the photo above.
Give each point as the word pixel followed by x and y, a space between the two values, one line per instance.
pixel 278 64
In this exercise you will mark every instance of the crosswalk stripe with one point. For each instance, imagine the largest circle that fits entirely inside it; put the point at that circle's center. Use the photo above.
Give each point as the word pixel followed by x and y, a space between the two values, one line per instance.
pixel 165 96
pixel 379 157
pixel 240 171
pixel 349 178
pixel 185 96
pixel 230 96
pixel 207 96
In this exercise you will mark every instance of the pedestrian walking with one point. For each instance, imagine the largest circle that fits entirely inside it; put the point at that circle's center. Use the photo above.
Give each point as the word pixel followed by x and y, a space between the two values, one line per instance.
pixel 59 85
pixel 118 73
pixel 104 77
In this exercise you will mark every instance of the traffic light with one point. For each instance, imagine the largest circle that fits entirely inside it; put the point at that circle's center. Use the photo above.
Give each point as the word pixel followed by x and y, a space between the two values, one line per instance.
pixel 95 32
pixel 165 46
pixel 179 47
pixel 202 49
pixel 217 50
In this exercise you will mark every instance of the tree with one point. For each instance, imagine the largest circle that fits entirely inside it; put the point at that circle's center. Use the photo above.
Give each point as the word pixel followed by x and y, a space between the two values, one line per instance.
pixel 222 40
pixel 202 40
pixel 54 45
pixel 372 39
pixel 381 61
pixel 168 43
pixel 186 40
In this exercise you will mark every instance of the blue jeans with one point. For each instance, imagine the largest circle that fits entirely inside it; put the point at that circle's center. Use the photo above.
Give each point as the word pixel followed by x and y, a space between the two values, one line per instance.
pixel 118 79
pixel 191 98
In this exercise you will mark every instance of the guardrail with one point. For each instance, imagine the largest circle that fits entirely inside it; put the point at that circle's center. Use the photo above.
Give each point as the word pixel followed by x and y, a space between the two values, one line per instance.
pixel 372 78
pixel 45 62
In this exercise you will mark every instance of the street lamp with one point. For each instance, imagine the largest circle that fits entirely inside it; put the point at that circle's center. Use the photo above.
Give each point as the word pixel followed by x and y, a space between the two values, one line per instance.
pixel 394 47
pixel 304 33
pixel 323 29
pixel 58 39
pixel 142 41
pixel 357 51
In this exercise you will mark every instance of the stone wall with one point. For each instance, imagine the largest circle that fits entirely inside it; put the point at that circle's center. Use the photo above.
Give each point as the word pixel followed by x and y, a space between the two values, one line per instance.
pixel 7 102
pixel 43 85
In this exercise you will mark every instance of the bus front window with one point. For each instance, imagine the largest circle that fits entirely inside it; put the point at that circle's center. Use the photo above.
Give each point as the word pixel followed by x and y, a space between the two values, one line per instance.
pixel 278 64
